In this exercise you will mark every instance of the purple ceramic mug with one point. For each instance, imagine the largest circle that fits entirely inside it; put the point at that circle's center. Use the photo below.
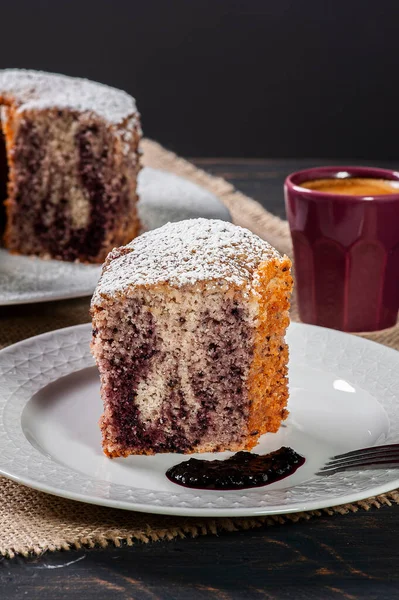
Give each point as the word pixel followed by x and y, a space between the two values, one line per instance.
pixel 346 251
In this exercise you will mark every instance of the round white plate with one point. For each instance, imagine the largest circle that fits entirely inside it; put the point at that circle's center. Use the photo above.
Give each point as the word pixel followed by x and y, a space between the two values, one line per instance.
pixel 343 395
pixel 163 197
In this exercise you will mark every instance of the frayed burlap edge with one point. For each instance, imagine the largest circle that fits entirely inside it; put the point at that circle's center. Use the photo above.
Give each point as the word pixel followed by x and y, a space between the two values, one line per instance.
pixel 32 522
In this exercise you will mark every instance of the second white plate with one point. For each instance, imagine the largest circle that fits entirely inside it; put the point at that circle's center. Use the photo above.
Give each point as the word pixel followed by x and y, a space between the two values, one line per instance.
pixel 343 395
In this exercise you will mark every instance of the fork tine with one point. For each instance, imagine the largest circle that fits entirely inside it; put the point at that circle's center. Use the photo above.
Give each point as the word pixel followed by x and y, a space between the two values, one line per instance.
pixel 360 462
pixel 366 451
pixel 371 463
pixel 379 454
pixel 374 457
pixel 372 466
pixel 363 457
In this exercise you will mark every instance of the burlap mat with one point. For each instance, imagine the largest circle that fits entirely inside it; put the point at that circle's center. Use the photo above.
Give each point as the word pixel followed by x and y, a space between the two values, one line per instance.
pixel 33 522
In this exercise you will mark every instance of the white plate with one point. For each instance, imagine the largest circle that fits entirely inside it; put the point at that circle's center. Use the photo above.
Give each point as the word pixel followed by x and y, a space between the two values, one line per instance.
pixel 344 395
pixel 163 197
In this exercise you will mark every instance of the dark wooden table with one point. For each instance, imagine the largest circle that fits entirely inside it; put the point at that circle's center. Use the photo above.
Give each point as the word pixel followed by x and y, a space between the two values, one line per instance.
pixel 350 556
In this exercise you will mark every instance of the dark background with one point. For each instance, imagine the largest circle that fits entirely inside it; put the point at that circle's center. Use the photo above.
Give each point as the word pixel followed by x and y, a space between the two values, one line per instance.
pixel 250 78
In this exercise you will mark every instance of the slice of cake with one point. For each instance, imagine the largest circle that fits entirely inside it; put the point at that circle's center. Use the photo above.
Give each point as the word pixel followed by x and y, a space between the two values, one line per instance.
pixel 71 149
pixel 188 335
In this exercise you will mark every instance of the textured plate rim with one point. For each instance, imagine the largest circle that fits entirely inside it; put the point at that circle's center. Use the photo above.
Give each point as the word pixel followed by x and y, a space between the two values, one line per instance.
pixel 47 297
pixel 190 511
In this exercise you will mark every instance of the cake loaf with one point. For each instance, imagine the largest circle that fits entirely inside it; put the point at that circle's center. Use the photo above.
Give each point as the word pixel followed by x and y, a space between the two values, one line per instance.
pixel 188 335
pixel 71 151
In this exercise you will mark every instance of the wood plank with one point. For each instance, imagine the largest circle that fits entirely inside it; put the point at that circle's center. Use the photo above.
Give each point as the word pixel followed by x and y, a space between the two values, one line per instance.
pixel 348 556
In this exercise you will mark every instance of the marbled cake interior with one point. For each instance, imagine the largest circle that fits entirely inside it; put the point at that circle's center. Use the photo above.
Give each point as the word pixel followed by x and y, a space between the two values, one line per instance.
pixel 73 194
pixel 173 376
pixel 72 158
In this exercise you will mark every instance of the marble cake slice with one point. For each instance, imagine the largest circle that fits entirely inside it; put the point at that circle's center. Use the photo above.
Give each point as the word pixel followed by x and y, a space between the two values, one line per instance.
pixel 188 335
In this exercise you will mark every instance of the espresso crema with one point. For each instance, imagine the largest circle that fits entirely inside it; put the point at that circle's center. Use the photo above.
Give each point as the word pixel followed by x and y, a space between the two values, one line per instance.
pixel 353 186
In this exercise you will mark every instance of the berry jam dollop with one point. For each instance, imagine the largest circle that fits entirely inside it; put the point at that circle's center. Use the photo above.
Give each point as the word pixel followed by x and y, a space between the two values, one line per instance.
pixel 243 470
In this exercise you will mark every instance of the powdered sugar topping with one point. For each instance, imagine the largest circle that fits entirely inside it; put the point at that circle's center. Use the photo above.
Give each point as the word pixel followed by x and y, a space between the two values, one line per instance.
pixel 32 90
pixel 185 253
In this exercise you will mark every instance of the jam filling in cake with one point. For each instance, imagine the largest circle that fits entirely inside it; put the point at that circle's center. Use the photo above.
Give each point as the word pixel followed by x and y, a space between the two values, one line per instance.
pixel 188 334
pixel 71 149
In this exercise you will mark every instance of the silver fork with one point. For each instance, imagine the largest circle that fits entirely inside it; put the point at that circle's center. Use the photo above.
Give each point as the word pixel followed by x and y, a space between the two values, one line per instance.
pixel 375 457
